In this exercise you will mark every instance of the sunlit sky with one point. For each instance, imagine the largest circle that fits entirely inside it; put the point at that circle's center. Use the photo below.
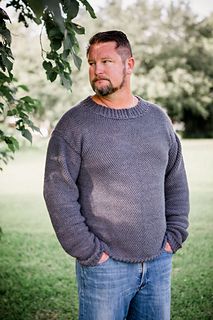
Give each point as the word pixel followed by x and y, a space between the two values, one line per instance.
pixel 201 7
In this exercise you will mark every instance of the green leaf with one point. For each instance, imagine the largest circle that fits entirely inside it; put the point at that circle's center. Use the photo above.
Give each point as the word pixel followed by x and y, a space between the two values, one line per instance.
pixel 12 112
pixel 71 36
pixel 19 124
pixel 59 66
pixel 23 115
pixel 37 7
pixel 4 15
pixel 78 29
pixel 47 65
pixel 12 143
pixel 4 78
pixel 11 147
pixel 15 142
pixel 66 80
pixel 54 7
pixel 6 35
pixel 55 33
pixel 52 55
pixel 1 107
pixel 7 93
pixel 34 128
pixel 52 75
pixel 89 8
pixel 66 64
pixel 24 87
pixel 65 53
pixel 67 44
pixel 7 63
pixel 77 60
pixel 27 99
pixel 27 134
pixel 71 8
pixel 55 44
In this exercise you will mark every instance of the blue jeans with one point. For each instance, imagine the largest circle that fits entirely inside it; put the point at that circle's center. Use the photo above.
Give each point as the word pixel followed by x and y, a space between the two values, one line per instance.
pixel 116 290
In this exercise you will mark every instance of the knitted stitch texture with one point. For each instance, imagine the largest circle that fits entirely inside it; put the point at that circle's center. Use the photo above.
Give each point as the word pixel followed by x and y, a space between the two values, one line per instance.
pixel 115 182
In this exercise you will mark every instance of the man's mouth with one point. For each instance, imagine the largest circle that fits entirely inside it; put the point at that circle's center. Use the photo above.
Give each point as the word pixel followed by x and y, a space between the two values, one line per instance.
pixel 100 79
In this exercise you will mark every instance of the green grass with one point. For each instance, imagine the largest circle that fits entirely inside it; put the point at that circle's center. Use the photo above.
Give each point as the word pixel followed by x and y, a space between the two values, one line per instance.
pixel 38 278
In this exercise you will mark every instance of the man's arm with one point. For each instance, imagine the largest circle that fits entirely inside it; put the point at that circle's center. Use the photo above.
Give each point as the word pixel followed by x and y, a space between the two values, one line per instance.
pixel 176 197
pixel 61 195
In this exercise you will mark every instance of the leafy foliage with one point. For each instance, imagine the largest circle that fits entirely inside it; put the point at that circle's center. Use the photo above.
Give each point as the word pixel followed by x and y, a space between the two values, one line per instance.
pixel 176 66
pixel 174 54
pixel 10 105
pixel 61 31
pixel 56 17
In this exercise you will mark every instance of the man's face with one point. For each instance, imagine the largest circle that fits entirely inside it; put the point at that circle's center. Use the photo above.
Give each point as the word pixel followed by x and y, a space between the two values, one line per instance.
pixel 107 71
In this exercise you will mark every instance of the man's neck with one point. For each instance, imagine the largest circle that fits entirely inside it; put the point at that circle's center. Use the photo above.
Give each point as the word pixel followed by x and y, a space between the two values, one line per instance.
pixel 115 102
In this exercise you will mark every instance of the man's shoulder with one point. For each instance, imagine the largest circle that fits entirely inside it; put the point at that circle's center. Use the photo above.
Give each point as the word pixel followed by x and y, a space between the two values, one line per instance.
pixel 74 115
pixel 158 117
pixel 154 107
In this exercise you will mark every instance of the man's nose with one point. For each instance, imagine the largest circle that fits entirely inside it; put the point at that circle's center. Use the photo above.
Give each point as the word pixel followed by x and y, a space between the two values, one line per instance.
pixel 99 69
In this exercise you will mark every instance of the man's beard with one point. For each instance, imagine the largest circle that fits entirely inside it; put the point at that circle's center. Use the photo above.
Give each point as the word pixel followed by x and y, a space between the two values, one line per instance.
pixel 107 89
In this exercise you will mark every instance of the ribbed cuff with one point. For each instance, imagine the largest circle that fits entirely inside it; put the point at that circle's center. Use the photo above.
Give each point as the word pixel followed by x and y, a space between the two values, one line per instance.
pixel 93 260
pixel 173 243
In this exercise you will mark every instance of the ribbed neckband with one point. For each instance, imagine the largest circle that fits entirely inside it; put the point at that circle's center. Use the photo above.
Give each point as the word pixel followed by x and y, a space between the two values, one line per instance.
pixel 126 113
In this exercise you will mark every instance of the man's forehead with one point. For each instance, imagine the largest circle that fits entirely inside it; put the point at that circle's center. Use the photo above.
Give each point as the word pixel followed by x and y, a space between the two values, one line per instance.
pixel 102 47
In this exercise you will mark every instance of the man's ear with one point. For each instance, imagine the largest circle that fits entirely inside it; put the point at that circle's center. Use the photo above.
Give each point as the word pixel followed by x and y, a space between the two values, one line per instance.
pixel 130 62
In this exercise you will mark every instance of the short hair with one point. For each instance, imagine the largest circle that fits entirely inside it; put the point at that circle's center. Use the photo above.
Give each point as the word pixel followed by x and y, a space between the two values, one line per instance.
pixel 118 37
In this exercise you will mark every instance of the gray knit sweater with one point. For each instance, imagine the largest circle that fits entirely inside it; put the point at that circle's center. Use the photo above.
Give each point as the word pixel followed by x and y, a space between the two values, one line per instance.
pixel 115 182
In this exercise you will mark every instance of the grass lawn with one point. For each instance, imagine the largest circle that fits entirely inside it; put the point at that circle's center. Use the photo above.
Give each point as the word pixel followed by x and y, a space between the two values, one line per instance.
pixel 37 279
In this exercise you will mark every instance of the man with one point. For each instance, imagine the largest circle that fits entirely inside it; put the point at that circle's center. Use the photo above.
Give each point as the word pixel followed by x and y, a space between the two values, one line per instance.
pixel 116 190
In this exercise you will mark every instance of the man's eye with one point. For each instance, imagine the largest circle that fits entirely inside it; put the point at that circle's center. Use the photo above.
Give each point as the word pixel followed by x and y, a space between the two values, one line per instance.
pixel 106 61
pixel 91 63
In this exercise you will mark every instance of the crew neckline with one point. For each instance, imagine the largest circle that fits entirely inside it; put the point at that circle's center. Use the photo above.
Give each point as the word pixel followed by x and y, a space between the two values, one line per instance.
pixel 126 113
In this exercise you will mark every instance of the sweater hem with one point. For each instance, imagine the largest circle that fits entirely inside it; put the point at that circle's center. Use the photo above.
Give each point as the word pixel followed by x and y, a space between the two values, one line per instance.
pixel 137 260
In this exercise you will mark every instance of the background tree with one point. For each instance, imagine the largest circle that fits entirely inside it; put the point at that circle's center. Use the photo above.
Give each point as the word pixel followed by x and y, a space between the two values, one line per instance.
pixel 174 53
pixel 57 18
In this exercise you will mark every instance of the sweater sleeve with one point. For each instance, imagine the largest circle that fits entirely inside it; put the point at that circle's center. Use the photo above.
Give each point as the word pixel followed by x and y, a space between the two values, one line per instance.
pixel 61 195
pixel 176 197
